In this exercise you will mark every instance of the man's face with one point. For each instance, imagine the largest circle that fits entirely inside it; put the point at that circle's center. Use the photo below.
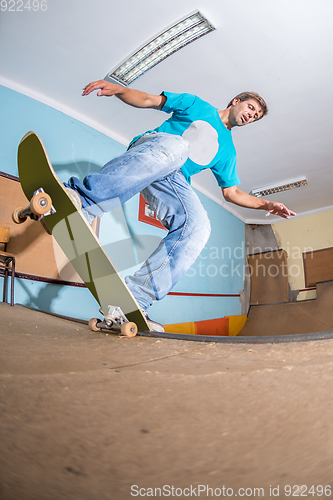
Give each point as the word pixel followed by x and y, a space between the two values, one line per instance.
pixel 242 113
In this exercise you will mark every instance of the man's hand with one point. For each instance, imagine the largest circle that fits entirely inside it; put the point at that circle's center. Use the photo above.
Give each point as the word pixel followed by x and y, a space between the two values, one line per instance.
pixel 242 199
pixel 106 88
pixel 279 209
pixel 133 97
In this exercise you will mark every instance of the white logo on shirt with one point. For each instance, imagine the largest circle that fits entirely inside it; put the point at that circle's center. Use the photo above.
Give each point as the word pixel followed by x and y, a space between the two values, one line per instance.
pixel 203 139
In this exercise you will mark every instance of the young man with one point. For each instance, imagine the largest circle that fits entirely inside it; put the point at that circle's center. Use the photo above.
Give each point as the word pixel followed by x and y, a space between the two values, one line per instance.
pixel 159 164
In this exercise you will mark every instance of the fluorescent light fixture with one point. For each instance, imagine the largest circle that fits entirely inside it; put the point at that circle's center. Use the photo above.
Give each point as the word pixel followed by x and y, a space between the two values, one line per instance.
pixel 163 45
pixel 292 184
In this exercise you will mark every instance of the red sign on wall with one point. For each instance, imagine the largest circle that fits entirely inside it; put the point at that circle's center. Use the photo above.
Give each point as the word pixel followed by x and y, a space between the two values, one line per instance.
pixel 147 215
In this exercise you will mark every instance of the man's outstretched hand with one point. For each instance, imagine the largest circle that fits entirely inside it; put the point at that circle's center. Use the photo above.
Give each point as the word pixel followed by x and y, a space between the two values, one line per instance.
pixel 133 97
pixel 279 209
pixel 105 88
pixel 242 199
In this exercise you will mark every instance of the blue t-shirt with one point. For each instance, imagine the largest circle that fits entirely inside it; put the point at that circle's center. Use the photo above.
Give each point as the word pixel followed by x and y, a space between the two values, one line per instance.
pixel 211 144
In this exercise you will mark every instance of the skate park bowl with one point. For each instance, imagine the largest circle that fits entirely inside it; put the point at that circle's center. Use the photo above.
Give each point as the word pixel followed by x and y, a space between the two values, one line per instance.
pixel 274 311
pixel 273 323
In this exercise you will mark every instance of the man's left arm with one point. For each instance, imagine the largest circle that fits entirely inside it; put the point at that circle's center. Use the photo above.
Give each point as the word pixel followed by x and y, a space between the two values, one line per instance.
pixel 238 197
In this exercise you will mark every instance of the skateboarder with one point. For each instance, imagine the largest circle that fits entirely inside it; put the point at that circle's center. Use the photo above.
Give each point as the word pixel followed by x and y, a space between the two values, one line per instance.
pixel 159 164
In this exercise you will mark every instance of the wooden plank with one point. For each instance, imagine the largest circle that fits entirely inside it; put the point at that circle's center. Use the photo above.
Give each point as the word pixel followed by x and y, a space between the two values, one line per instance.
pixel 318 266
pixel 33 248
pixel 4 234
pixel 269 277
pixel 306 316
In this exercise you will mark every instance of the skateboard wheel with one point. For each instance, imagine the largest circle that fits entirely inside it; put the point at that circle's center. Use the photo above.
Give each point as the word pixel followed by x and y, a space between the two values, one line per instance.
pixel 41 203
pixel 93 325
pixel 16 216
pixel 129 329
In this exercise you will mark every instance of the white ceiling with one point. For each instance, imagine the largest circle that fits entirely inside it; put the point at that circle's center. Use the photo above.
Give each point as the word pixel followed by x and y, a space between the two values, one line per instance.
pixel 281 49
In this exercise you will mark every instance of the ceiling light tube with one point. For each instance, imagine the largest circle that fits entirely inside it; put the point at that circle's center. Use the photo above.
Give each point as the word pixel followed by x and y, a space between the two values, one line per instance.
pixel 159 48
pixel 286 186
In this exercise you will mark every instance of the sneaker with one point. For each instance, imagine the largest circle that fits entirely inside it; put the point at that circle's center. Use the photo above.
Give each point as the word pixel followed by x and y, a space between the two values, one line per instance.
pixel 75 197
pixel 155 327
pixel 88 216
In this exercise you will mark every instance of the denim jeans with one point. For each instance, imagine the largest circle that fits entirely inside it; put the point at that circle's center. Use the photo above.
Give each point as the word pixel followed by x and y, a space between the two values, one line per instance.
pixel 152 166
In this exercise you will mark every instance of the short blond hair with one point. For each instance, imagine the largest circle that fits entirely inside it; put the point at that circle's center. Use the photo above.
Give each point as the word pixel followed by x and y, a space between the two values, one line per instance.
pixel 246 96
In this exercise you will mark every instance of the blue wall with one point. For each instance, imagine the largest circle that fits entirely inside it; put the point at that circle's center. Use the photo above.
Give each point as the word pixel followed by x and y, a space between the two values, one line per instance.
pixel 76 149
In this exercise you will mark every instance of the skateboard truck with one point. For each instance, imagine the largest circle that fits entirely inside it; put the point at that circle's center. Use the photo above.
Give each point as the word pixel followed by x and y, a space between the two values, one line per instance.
pixel 39 206
pixel 114 320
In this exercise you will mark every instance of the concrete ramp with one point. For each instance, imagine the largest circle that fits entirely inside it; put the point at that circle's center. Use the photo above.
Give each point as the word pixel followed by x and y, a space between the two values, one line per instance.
pixel 292 317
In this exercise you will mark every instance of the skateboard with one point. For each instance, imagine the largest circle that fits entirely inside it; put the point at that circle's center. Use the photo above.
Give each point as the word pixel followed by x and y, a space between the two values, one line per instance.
pixel 52 204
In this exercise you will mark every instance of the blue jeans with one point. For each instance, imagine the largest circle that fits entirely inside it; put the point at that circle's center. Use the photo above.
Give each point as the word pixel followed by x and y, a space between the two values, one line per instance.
pixel 152 166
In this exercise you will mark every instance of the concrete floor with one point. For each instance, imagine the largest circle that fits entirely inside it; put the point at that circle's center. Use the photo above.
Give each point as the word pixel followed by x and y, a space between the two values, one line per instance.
pixel 90 416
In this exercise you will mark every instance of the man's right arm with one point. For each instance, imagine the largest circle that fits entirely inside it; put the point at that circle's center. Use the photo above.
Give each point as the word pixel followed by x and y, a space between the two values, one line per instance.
pixel 133 97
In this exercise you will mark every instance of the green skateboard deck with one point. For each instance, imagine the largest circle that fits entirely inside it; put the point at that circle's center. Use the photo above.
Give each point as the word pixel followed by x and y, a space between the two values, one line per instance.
pixel 73 233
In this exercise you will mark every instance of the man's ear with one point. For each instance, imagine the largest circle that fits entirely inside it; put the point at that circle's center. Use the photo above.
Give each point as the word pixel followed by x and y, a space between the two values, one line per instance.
pixel 235 101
